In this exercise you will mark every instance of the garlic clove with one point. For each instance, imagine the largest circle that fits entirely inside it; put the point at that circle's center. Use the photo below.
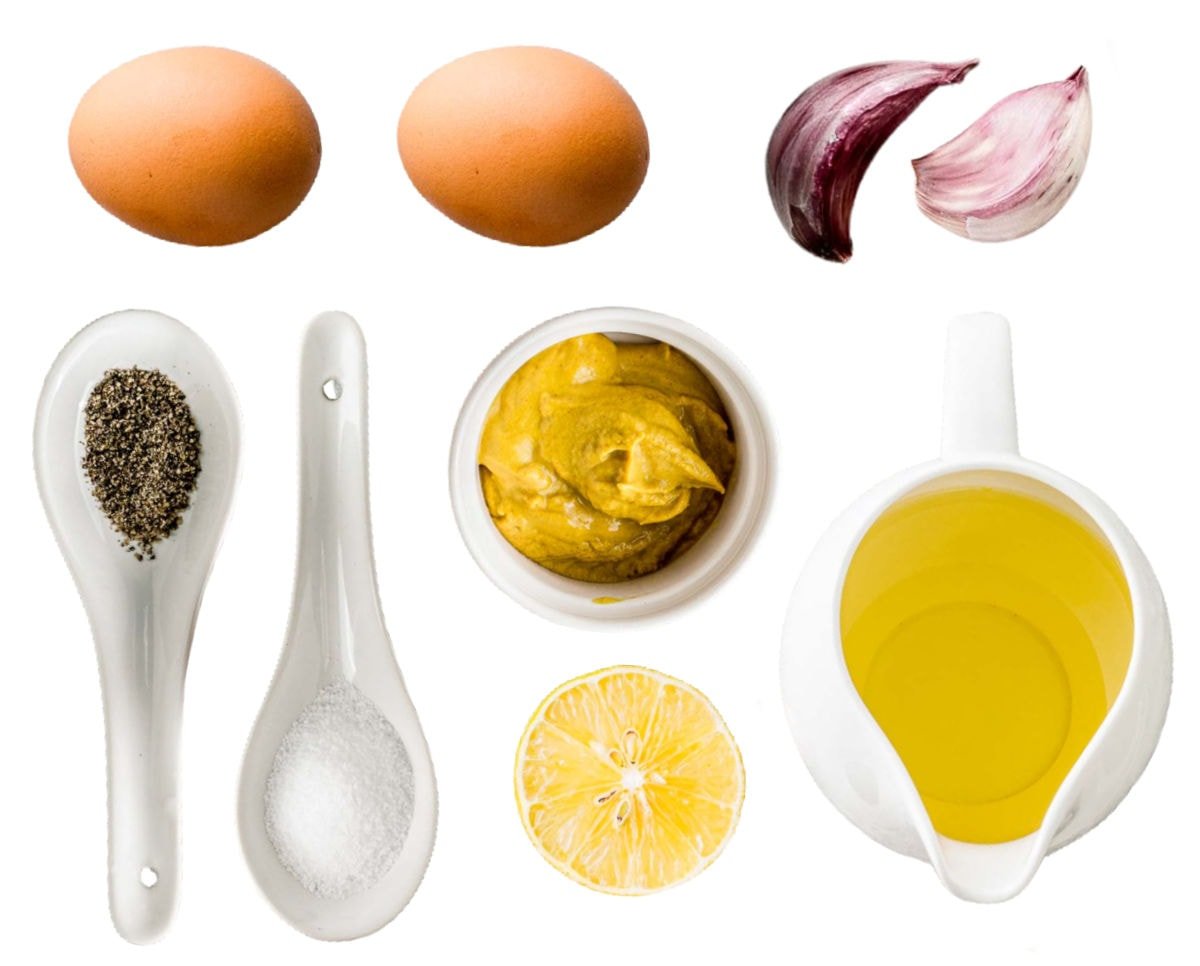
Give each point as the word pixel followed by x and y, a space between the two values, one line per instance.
pixel 1012 170
pixel 826 139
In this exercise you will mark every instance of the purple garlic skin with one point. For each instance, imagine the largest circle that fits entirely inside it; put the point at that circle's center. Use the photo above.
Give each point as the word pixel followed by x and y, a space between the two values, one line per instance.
pixel 826 139
pixel 1013 169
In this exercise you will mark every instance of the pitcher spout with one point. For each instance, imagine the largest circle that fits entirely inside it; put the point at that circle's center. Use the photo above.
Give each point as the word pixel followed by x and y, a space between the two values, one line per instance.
pixel 987 873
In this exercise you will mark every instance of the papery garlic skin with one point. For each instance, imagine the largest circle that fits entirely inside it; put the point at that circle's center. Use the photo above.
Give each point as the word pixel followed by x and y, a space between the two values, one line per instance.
pixel 825 140
pixel 1012 170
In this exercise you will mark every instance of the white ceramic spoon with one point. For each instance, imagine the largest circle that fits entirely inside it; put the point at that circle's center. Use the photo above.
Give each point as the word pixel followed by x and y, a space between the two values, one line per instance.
pixel 142 613
pixel 336 636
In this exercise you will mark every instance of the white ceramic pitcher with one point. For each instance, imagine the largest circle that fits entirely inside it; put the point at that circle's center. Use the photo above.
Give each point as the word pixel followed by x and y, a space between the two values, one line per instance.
pixel 848 753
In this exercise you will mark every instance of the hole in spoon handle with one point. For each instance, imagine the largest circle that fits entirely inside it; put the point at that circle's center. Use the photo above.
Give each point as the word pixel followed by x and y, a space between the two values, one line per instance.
pixel 143 714
pixel 979 411
pixel 336 573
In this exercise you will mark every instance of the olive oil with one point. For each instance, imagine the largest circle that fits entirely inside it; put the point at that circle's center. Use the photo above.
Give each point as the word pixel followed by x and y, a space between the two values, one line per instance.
pixel 988 631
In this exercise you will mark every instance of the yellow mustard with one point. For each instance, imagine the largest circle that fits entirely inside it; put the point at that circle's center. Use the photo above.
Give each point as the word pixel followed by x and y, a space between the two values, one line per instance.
pixel 605 461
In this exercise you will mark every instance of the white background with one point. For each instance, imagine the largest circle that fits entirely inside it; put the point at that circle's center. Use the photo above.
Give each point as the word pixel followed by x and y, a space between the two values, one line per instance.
pixel 848 358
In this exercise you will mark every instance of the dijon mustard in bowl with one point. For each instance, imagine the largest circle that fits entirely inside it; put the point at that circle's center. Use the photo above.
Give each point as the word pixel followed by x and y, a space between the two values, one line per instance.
pixel 611 465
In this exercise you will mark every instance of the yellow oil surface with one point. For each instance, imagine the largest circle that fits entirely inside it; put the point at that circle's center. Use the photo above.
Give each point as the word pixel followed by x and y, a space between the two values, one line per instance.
pixel 988 632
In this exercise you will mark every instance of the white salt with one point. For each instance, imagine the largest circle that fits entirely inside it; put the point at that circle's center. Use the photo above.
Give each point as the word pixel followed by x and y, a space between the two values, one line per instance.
pixel 339 798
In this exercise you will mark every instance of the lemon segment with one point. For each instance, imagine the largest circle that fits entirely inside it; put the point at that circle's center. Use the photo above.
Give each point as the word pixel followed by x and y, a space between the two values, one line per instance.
pixel 628 781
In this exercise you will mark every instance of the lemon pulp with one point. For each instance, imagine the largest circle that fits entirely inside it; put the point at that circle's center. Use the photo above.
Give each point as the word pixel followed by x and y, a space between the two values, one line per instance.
pixel 628 780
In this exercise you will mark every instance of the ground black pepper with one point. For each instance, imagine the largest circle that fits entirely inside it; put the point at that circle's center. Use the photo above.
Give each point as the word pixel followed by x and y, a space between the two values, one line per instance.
pixel 141 455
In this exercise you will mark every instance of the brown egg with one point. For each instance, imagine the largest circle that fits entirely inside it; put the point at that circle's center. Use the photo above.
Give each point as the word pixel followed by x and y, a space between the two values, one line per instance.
pixel 198 145
pixel 528 145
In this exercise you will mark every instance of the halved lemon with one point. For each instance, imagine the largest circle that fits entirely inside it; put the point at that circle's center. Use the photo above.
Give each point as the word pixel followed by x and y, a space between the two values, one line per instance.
pixel 628 781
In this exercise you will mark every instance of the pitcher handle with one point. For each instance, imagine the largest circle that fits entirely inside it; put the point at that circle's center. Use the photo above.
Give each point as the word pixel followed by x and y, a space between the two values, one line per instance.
pixel 979 413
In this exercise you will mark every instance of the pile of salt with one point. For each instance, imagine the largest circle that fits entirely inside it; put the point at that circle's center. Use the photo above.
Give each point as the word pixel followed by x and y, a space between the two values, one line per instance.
pixel 339 798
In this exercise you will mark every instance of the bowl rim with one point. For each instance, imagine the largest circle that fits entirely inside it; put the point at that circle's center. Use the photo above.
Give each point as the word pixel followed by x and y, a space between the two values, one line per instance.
pixel 685 580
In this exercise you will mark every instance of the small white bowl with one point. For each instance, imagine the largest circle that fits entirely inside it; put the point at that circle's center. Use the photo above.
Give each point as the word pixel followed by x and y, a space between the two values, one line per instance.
pixel 703 566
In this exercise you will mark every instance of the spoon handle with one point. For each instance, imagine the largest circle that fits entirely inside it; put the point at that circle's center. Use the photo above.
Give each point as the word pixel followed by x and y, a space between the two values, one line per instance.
pixel 143 708
pixel 335 576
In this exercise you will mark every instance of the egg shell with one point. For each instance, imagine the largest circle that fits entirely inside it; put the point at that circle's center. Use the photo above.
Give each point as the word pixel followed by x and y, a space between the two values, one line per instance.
pixel 198 145
pixel 528 145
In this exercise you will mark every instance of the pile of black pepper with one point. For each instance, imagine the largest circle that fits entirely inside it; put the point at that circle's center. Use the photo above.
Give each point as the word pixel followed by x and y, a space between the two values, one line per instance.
pixel 141 455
